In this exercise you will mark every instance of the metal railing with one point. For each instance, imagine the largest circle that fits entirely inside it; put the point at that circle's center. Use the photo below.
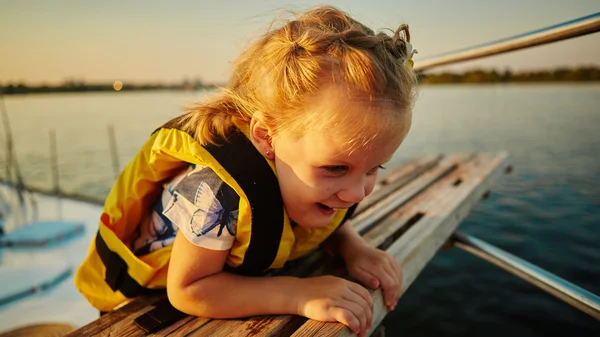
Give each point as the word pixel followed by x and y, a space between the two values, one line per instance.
pixel 562 31
pixel 556 286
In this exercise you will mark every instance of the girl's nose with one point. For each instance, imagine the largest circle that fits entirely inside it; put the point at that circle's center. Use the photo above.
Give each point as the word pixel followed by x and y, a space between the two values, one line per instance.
pixel 353 193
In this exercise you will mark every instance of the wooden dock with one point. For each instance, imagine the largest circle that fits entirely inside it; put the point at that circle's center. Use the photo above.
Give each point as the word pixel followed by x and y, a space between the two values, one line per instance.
pixel 413 211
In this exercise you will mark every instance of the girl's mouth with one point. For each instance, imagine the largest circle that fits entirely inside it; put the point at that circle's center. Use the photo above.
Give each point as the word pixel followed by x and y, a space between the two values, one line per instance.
pixel 326 210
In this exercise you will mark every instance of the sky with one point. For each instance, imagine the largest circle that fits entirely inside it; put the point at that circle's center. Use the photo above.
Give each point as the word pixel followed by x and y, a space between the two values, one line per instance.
pixel 49 42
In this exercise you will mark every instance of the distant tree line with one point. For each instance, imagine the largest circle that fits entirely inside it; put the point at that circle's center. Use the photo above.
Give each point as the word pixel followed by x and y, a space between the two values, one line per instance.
pixel 581 74
pixel 82 86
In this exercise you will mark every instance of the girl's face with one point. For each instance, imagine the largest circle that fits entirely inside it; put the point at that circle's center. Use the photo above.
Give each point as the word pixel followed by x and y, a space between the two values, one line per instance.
pixel 319 175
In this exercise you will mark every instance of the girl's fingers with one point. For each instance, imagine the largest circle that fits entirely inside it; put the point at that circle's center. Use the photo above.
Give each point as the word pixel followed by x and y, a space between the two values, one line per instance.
pixel 367 278
pixel 364 295
pixel 355 315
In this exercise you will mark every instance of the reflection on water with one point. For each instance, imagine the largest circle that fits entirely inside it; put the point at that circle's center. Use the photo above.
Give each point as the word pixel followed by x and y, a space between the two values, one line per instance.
pixel 547 211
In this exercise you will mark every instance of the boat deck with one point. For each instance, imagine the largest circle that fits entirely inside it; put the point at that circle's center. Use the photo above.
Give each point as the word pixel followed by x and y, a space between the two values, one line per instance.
pixel 411 214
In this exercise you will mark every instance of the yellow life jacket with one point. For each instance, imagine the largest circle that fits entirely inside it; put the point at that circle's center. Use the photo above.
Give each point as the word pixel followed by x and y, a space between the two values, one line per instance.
pixel 111 274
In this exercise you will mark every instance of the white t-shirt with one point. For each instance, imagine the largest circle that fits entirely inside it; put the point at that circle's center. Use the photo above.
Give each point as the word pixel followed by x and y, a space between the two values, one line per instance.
pixel 198 203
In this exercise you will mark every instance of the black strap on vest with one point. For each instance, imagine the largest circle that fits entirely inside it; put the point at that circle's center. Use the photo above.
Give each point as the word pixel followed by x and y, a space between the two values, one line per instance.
pixel 116 275
pixel 163 315
pixel 256 178
pixel 349 214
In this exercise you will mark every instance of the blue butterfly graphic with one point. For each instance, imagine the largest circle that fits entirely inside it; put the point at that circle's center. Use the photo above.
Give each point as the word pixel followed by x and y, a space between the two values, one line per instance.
pixel 210 214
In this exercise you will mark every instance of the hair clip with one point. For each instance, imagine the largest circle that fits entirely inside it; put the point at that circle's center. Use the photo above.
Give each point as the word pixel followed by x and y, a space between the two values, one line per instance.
pixel 411 51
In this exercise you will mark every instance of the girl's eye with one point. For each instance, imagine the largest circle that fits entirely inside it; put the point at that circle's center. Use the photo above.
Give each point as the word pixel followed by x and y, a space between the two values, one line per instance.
pixel 374 171
pixel 335 169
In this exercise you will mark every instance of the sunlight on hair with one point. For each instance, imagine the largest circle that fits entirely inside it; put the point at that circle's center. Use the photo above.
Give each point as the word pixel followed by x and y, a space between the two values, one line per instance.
pixel 281 71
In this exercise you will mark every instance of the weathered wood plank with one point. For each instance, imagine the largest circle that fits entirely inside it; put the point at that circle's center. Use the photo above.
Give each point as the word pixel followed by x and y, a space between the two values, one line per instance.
pixel 398 178
pixel 125 327
pixel 105 322
pixel 220 328
pixel 171 329
pixel 189 328
pixel 363 221
pixel 263 326
pixel 445 217
pixel 442 211
pixel 400 220
pixel 326 329
pixel 308 330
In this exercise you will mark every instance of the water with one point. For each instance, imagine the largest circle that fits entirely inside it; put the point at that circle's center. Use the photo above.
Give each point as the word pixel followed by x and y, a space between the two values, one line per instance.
pixel 547 211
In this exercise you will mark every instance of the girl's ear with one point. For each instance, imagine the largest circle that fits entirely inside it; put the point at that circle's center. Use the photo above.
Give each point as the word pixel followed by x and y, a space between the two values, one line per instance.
pixel 260 135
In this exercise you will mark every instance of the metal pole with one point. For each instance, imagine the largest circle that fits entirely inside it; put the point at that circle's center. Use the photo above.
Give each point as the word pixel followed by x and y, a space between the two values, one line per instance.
pixel 578 27
pixel 8 154
pixel 12 165
pixel 54 162
pixel 113 150
pixel 54 169
pixel 560 288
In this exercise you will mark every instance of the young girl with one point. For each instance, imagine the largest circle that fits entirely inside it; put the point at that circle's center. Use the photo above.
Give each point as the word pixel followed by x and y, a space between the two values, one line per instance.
pixel 264 174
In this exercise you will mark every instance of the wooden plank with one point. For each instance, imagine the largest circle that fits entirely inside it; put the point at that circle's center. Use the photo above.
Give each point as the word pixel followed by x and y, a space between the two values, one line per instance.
pixel 370 217
pixel 326 329
pixel 270 326
pixel 309 330
pixel 105 322
pixel 415 249
pixel 409 164
pixel 125 327
pixel 189 328
pixel 220 328
pixel 398 178
pixel 420 242
pixel 417 164
pixel 426 203
pixel 171 329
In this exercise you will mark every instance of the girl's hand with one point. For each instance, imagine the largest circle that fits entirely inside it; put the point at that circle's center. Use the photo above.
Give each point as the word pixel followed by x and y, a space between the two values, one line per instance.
pixel 374 268
pixel 333 299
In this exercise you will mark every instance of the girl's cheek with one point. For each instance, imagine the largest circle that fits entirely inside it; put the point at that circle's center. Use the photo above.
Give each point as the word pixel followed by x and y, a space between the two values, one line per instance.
pixel 370 185
pixel 323 185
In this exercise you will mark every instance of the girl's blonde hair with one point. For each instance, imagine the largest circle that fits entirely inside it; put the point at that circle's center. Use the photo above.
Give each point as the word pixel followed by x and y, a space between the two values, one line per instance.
pixel 277 74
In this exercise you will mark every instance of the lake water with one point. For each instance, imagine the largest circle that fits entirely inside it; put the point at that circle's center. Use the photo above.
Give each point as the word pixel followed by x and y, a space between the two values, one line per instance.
pixel 547 211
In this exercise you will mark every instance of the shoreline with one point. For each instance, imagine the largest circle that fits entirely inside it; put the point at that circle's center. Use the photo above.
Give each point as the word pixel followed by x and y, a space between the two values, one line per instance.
pixel 435 84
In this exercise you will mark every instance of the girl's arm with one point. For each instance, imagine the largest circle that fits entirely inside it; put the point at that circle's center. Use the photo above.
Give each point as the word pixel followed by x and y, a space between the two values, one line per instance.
pixel 197 285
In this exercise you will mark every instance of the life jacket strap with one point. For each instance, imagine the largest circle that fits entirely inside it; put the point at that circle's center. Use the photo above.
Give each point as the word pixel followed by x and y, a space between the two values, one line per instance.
pixel 258 181
pixel 348 214
pixel 163 314
pixel 116 275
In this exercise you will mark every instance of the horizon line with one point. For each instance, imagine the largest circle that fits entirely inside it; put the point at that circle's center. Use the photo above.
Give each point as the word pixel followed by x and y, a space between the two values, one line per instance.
pixel 195 80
